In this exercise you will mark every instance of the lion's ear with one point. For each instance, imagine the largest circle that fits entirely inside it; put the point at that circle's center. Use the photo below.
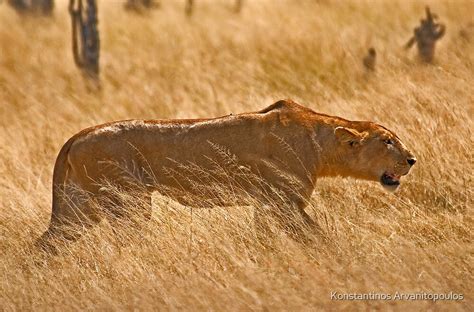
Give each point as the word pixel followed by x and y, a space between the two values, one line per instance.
pixel 348 135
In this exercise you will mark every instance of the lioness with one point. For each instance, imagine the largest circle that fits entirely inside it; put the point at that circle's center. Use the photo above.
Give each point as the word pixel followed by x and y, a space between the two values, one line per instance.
pixel 284 147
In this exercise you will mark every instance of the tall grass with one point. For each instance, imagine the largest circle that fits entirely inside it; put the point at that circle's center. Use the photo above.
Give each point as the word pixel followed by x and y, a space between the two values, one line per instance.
pixel 164 65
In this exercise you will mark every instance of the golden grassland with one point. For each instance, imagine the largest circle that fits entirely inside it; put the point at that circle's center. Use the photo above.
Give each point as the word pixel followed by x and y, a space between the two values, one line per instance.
pixel 163 65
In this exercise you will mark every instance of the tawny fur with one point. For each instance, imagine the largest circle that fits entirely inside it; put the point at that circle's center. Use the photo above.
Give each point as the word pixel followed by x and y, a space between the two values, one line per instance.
pixel 286 146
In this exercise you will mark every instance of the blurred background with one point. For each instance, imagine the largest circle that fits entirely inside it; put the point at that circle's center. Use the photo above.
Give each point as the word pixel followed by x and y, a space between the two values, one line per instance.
pixel 163 62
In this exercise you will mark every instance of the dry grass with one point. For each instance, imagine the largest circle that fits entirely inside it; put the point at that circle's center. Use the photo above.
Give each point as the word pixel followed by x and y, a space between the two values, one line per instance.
pixel 163 65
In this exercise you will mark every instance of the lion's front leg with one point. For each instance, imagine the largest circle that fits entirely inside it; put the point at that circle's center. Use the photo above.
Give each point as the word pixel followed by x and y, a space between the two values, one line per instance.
pixel 312 225
pixel 262 220
pixel 296 223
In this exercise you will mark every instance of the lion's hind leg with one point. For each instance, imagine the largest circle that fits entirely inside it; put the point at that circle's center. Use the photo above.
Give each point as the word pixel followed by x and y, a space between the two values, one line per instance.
pixel 127 211
pixel 74 212
pixel 125 203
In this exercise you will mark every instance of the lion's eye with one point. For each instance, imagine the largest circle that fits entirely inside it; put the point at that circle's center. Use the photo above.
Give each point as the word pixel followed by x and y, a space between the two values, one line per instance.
pixel 388 142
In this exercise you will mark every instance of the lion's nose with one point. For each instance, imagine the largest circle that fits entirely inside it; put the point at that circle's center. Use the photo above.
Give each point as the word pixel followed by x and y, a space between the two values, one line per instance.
pixel 411 161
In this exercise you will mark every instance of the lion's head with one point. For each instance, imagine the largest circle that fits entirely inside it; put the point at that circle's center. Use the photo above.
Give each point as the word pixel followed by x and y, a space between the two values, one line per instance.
pixel 376 153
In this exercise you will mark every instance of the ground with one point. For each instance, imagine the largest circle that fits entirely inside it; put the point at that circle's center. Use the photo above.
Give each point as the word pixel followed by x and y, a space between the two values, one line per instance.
pixel 163 64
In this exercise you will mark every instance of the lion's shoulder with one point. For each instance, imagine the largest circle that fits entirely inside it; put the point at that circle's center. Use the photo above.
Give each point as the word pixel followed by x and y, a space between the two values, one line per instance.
pixel 287 105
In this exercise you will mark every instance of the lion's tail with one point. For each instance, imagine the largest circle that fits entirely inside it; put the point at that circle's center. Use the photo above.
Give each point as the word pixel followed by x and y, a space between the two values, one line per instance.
pixel 60 173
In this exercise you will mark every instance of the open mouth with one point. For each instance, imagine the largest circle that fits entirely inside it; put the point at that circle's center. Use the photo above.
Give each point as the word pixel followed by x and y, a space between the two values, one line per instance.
pixel 388 179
